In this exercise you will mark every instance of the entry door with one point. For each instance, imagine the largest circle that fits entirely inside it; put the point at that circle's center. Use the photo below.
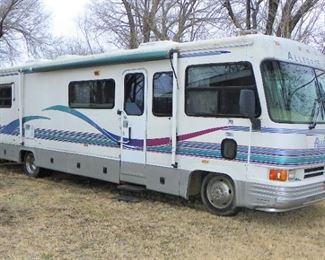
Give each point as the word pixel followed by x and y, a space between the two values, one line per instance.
pixel 133 123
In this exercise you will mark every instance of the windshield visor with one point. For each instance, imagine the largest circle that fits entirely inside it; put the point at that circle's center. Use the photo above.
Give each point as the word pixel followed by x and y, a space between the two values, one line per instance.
pixel 294 93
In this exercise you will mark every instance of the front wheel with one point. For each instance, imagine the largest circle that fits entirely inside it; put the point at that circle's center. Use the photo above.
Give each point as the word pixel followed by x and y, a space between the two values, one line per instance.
pixel 218 194
pixel 30 168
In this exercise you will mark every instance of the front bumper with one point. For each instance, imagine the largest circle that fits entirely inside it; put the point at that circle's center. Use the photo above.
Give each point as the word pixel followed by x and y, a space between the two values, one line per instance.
pixel 283 198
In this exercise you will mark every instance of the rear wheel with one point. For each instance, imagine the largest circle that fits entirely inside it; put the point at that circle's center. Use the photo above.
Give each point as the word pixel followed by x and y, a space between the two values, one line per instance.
pixel 218 194
pixel 30 168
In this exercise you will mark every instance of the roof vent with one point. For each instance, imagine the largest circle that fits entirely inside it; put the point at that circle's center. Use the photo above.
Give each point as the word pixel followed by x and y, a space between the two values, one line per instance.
pixel 31 62
pixel 246 32
pixel 158 44
pixel 68 57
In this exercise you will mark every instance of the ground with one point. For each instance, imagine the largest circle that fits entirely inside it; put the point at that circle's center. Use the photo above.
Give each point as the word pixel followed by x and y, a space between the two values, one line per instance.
pixel 68 217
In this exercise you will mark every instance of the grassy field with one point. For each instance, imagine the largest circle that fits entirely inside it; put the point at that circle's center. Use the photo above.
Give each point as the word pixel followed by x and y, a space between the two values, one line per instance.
pixel 69 217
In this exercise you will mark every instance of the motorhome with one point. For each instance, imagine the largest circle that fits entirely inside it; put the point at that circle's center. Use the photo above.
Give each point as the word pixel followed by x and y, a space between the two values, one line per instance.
pixel 238 121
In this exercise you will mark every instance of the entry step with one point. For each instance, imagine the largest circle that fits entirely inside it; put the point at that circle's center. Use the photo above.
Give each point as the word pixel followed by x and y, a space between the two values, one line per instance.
pixel 132 188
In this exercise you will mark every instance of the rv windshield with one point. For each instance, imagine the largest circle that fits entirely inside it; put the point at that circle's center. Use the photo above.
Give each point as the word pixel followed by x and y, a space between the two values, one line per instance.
pixel 294 93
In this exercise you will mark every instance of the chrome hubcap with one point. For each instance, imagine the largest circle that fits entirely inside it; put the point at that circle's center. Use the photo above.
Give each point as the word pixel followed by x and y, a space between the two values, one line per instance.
pixel 30 166
pixel 219 192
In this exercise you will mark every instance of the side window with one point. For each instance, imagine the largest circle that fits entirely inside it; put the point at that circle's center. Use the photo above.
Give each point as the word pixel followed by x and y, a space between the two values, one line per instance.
pixel 134 94
pixel 5 95
pixel 162 103
pixel 214 89
pixel 92 94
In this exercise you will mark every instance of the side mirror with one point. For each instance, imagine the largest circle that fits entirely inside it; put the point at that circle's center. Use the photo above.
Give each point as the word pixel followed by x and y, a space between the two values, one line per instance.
pixel 247 102
pixel 247 107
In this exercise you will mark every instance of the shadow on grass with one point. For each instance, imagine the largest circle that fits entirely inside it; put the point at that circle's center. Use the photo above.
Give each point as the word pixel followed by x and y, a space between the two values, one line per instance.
pixel 294 217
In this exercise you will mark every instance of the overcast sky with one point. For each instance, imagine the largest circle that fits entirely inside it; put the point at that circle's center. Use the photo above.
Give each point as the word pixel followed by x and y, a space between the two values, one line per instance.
pixel 64 14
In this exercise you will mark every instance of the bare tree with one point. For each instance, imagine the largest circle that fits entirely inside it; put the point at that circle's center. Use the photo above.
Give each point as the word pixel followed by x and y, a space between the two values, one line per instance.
pixel 66 46
pixel 130 22
pixel 23 26
pixel 282 18
pixel 71 46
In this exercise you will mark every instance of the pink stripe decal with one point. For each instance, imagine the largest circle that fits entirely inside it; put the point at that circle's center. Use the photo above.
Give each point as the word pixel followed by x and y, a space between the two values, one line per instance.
pixel 196 134
pixel 158 141
pixel 166 140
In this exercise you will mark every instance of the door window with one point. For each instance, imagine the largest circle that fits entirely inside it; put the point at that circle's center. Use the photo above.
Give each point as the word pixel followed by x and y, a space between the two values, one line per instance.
pixel 134 94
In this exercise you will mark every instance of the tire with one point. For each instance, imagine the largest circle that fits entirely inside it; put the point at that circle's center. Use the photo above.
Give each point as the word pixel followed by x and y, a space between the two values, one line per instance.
pixel 218 195
pixel 30 168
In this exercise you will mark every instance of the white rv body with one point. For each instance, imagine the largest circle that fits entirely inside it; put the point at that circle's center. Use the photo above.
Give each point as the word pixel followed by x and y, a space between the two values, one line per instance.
pixel 169 154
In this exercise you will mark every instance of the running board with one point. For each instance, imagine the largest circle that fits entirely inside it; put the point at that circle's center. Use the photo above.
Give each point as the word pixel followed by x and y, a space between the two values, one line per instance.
pixel 5 164
pixel 131 188
pixel 127 191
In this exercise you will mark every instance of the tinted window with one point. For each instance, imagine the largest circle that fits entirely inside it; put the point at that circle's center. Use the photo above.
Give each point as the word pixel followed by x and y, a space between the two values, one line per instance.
pixel 134 94
pixel 214 89
pixel 92 94
pixel 5 96
pixel 162 104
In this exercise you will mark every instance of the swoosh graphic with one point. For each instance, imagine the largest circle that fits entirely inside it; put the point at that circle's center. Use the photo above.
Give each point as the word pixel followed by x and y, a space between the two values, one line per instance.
pixel 133 142
pixel 12 126
pixel 86 119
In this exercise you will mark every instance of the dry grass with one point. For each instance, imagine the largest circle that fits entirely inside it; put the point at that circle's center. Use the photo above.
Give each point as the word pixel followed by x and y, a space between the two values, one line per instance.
pixel 70 217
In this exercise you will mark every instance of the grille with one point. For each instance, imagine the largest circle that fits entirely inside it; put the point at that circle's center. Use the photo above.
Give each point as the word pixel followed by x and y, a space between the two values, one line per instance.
pixel 313 172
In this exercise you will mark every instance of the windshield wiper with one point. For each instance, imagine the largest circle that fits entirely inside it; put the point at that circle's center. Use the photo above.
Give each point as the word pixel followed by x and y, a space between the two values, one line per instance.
pixel 314 115
pixel 320 110
pixel 320 101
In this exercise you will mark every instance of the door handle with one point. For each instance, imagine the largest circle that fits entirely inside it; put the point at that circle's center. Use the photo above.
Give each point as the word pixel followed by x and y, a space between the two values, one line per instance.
pixel 130 131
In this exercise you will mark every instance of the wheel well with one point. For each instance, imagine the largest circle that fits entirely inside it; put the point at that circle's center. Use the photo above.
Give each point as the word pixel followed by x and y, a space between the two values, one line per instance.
pixel 22 155
pixel 195 182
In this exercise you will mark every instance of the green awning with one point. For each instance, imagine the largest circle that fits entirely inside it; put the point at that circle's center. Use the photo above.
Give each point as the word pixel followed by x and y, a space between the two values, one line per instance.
pixel 99 61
